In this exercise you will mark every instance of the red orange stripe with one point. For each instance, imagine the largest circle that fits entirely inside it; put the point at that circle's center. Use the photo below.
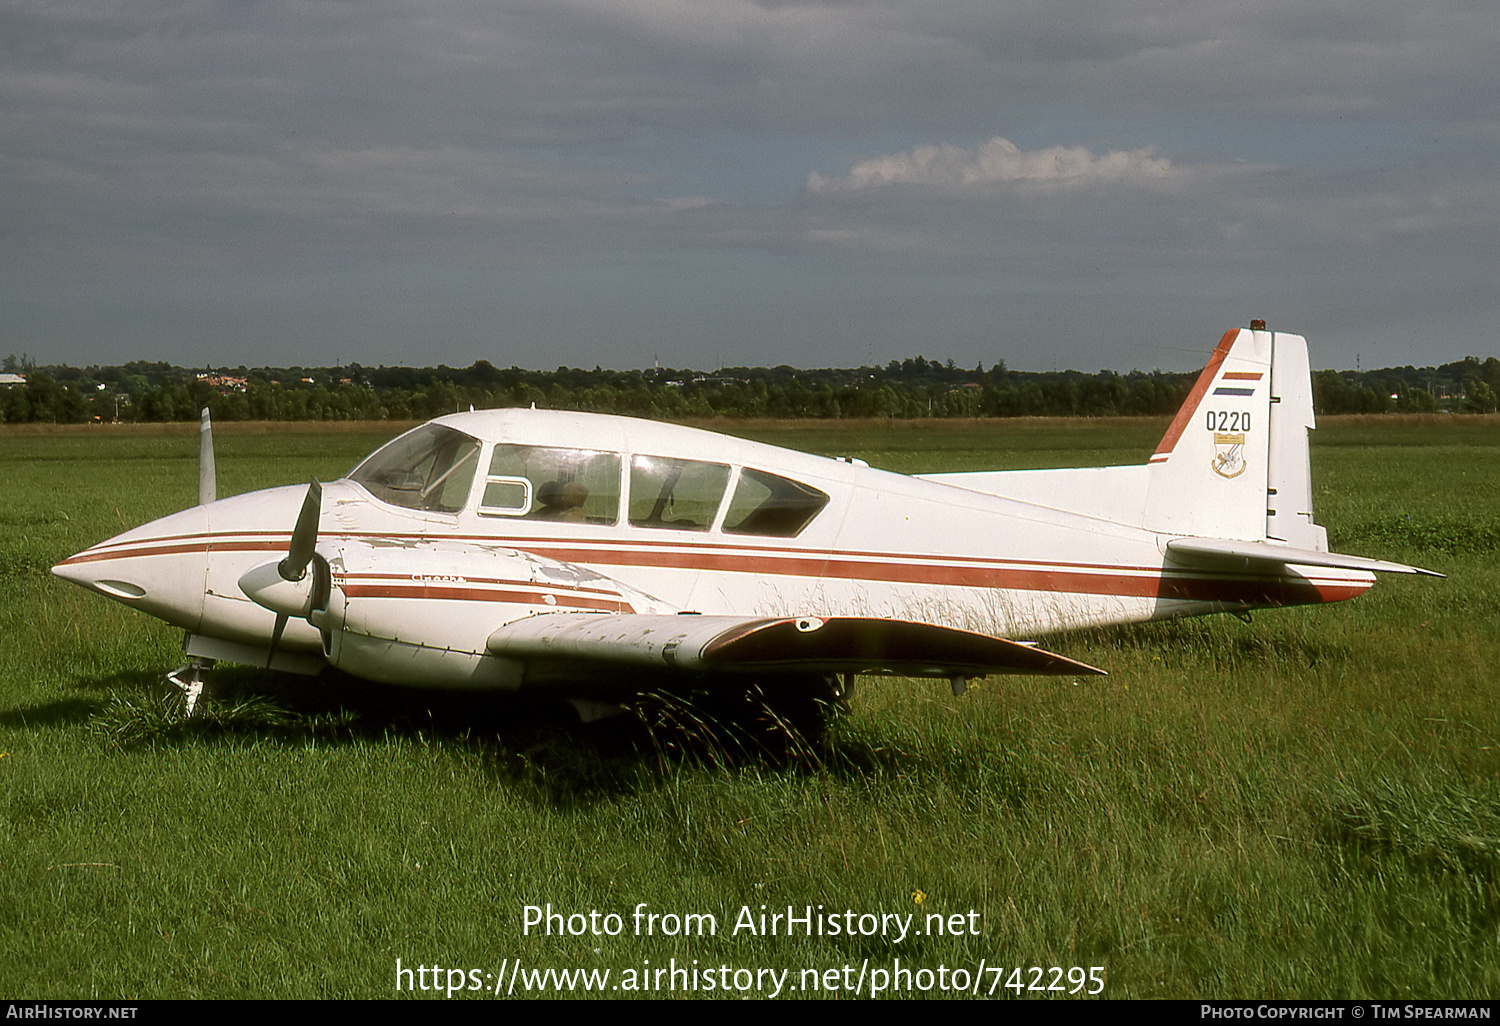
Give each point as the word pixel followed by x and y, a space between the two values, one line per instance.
pixel 977 572
pixel 1200 388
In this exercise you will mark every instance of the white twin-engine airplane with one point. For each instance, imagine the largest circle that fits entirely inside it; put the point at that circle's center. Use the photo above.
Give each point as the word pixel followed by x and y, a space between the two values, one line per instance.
pixel 591 556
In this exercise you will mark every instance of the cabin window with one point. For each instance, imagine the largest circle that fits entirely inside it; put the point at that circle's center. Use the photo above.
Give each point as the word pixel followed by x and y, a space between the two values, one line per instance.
pixel 766 504
pixel 431 468
pixel 679 494
pixel 580 486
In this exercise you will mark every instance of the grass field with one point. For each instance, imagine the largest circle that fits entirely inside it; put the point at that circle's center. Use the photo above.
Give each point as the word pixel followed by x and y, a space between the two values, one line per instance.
pixel 1303 806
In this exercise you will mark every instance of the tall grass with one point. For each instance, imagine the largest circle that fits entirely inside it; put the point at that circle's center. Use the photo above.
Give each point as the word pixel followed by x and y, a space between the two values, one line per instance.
pixel 1302 806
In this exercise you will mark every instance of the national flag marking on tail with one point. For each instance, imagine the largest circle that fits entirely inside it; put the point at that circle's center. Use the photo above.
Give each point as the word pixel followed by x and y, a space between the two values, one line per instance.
pixel 1238 376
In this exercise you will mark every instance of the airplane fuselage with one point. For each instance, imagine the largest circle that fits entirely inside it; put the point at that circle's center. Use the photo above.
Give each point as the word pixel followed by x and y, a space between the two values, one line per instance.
pixel 674 520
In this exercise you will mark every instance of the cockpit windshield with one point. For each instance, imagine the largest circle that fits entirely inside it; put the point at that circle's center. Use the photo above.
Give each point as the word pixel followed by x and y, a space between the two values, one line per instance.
pixel 431 468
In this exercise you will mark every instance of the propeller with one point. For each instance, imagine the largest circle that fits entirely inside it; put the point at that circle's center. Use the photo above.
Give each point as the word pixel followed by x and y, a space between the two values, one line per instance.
pixel 304 536
pixel 293 568
pixel 285 587
pixel 207 486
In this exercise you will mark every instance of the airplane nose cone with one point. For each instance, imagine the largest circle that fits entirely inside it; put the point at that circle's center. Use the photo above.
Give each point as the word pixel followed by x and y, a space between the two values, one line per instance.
pixel 160 569
pixel 97 578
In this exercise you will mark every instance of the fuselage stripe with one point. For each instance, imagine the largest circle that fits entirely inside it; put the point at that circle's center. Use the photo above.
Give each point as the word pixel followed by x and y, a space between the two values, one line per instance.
pixel 561 599
pixel 977 572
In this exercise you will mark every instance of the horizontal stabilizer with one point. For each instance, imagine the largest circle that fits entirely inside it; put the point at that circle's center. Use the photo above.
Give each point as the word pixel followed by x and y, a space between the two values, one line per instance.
pixel 1240 554
pixel 774 644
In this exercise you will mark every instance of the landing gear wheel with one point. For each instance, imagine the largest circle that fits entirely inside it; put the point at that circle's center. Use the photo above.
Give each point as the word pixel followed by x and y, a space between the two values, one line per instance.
pixel 804 703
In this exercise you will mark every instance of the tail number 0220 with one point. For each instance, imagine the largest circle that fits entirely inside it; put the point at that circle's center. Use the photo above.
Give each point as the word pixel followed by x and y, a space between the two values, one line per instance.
pixel 1228 420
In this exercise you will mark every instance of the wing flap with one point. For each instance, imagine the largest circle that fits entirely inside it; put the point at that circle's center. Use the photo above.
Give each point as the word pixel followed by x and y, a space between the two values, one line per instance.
pixel 775 644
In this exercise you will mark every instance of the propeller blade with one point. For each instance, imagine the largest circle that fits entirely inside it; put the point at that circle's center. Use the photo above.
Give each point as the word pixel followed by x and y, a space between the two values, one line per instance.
pixel 207 484
pixel 281 619
pixel 293 569
pixel 304 536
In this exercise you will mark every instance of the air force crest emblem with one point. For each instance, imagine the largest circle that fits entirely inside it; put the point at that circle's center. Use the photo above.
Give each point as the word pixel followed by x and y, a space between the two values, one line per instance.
pixel 1229 454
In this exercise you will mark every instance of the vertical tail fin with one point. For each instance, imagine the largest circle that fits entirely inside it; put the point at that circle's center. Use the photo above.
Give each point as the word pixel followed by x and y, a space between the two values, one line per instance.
pixel 1233 464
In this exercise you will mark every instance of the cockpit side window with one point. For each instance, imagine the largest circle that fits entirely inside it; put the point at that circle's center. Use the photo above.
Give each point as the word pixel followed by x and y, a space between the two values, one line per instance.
pixel 680 494
pixel 431 468
pixel 580 486
pixel 776 507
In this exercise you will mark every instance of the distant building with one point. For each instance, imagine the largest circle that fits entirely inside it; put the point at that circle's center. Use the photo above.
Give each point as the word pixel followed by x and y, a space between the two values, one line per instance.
pixel 224 383
pixel 6 380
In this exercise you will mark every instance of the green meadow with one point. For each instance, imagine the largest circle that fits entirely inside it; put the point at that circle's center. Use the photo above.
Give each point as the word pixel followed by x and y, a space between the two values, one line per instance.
pixel 1305 805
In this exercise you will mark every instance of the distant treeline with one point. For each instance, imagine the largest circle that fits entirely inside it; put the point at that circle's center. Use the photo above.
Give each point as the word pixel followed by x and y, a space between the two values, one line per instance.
pixel 905 389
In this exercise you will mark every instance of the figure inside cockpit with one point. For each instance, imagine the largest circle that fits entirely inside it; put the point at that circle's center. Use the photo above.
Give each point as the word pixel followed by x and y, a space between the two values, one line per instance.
pixel 562 500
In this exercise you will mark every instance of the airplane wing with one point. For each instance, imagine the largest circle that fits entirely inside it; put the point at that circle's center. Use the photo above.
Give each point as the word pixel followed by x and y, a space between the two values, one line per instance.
pixel 1240 555
pixel 426 612
pixel 773 644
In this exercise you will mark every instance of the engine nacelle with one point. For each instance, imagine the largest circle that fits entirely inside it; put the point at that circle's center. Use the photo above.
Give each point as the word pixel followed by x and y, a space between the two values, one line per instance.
pixel 420 613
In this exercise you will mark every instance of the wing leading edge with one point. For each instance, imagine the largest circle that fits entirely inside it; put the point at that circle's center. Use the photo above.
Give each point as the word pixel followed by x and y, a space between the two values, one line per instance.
pixel 773 644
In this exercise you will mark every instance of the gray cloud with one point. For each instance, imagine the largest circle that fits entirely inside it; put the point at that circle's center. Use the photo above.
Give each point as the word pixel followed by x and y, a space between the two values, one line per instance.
pixel 595 180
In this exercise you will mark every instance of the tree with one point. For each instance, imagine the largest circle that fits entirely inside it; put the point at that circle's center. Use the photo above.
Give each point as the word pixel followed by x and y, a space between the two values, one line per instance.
pixel 1481 398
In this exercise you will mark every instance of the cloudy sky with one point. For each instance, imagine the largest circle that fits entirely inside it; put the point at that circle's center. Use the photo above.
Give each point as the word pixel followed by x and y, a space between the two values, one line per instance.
pixel 1054 183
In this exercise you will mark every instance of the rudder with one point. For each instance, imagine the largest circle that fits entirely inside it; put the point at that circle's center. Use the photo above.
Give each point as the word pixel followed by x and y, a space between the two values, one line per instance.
pixel 1289 516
